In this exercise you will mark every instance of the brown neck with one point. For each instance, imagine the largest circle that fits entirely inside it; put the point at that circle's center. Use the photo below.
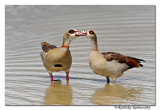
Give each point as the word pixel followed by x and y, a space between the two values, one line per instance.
pixel 65 44
pixel 66 41
pixel 94 43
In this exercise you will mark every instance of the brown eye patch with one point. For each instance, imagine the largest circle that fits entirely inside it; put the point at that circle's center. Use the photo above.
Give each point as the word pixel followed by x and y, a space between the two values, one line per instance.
pixel 91 32
pixel 71 31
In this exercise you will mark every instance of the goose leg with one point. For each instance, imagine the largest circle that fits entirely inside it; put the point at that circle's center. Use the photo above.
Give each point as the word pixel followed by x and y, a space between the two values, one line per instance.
pixel 67 76
pixel 51 77
pixel 108 79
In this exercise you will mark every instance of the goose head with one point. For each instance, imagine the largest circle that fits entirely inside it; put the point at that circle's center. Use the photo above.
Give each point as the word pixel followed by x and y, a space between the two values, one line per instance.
pixel 92 36
pixel 69 36
pixel 89 34
pixel 72 34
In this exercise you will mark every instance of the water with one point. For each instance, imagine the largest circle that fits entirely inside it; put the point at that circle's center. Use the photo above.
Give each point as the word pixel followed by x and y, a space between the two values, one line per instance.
pixel 129 30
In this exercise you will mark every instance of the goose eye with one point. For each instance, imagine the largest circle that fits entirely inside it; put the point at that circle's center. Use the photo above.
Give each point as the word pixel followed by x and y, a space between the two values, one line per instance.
pixel 91 32
pixel 71 31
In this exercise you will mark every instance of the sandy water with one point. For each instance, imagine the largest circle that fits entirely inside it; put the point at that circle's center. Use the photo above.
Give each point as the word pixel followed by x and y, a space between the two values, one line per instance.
pixel 129 30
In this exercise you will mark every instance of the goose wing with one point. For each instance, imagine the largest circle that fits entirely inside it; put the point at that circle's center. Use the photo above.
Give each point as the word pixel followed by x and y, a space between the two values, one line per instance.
pixel 46 47
pixel 130 61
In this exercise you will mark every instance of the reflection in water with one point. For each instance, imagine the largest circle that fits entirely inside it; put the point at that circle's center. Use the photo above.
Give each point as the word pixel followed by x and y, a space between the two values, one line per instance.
pixel 58 94
pixel 114 95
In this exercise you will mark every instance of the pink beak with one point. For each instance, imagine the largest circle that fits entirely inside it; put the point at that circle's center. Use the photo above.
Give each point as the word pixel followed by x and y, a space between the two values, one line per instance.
pixel 80 33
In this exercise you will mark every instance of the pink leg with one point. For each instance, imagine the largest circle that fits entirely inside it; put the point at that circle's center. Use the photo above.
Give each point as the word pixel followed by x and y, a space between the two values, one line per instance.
pixel 51 77
pixel 67 76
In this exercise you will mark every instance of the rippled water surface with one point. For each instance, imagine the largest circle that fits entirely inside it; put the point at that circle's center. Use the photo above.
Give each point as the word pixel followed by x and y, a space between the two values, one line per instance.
pixel 129 30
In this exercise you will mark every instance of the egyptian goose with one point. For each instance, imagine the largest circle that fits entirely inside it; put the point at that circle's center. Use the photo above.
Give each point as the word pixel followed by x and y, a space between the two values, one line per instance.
pixel 58 59
pixel 109 64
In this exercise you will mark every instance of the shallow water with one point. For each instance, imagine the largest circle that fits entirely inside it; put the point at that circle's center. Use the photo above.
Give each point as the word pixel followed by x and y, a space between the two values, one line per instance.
pixel 129 30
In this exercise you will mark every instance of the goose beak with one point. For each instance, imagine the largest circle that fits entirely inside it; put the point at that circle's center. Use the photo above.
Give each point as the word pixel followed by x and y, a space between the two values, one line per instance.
pixel 80 33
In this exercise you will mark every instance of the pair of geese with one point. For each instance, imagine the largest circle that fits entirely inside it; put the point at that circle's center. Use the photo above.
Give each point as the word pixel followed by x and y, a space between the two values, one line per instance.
pixel 108 64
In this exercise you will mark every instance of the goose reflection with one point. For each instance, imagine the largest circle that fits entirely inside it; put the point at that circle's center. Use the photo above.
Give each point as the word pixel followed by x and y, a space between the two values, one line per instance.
pixel 58 94
pixel 114 95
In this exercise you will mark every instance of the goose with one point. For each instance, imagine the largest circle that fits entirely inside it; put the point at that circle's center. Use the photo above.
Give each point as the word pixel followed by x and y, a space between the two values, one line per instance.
pixel 59 58
pixel 109 64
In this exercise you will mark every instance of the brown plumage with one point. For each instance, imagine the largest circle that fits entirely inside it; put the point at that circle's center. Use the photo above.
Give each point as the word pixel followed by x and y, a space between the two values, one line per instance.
pixel 46 46
pixel 130 61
